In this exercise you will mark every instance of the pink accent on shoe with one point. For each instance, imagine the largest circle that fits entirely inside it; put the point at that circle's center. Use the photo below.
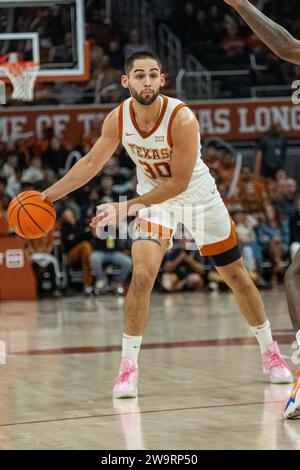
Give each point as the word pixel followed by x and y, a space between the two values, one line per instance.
pixel 275 366
pixel 125 385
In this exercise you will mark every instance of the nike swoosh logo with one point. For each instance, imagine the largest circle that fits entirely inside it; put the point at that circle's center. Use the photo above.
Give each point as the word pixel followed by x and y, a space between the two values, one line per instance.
pixel 126 133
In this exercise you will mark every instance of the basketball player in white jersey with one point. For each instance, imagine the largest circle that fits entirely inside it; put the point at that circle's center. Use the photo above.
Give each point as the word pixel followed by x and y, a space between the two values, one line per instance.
pixel 288 48
pixel 161 135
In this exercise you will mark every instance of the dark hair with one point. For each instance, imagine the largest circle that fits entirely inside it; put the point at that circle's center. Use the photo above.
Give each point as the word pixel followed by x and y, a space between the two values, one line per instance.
pixel 278 217
pixel 140 55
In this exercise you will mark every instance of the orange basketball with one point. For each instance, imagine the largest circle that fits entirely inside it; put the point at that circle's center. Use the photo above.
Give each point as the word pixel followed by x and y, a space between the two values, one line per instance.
pixel 31 215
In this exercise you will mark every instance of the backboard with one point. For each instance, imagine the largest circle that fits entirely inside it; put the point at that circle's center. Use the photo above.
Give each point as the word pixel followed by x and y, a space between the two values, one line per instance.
pixel 51 32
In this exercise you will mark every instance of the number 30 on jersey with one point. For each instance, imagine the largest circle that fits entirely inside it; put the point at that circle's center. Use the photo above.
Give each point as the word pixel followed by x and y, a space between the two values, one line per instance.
pixel 156 170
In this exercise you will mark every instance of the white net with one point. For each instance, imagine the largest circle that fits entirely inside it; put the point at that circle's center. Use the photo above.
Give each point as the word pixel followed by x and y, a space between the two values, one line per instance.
pixel 22 76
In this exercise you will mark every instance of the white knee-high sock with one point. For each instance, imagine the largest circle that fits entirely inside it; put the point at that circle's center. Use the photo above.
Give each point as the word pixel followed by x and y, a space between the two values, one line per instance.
pixel 131 347
pixel 263 335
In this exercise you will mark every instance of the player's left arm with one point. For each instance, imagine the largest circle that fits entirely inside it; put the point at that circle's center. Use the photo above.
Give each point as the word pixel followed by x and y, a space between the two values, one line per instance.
pixel 185 139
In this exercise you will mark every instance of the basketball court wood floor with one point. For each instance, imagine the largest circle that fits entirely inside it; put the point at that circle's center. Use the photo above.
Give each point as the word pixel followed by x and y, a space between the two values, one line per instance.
pixel 201 383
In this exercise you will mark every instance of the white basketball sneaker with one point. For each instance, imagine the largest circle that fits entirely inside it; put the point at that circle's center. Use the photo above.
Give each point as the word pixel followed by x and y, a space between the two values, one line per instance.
pixel 125 385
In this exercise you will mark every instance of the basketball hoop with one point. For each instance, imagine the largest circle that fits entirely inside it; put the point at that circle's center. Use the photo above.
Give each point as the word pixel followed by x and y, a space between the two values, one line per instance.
pixel 22 75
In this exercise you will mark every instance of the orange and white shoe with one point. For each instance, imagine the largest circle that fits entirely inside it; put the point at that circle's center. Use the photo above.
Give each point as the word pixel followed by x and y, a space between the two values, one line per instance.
pixel 292 409
pixel 125 385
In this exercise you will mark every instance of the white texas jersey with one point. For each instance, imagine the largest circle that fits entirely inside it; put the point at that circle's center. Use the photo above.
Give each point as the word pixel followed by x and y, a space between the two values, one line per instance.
pixel 152 151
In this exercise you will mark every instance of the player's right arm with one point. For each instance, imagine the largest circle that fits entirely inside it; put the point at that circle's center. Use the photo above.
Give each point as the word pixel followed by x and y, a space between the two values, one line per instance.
pixel 280 41
pixel 89 165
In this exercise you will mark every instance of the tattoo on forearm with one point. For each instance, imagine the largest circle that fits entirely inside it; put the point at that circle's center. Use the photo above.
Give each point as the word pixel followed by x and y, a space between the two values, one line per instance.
pixel 269 32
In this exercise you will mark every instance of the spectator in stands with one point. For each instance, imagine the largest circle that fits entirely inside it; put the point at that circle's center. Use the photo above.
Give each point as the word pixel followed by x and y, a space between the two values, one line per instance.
pixel 99 28
pixel 106 188
pixel 34 172
pixel 10 165
pixel 109 251
pixel 245 225
pixel 49 175
pixel 40 252
pixel 105 75
pixel 112 168
pixel 183 19
pixel 223 190
pixel 247 176
pixel 273 72
pixel 163 9
pixel 135 44
pixel 198 34
pixel 216 23
pixel 234 45
pixel 89 138
pixel 68 93
pixel 96 52
pixel 14 183
pixel 77 245
pixel 280 175
pixel 183 269
pixel 65 52
pixel 89 211
pixel 275 190
pixel 116 55
pixel 3 188
pixel 55 156
pixel 271 153
pixel 128 188
pixel 251 202
pixel 68 202
pixel 93 5
pixel 226 168
pixel 2 152
pixel 288 203
pixel 274 237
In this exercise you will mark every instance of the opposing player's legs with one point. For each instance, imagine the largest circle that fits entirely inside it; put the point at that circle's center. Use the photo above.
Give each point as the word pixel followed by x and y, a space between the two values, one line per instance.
pixel 146 256
pixel 250 303
pixel 292 285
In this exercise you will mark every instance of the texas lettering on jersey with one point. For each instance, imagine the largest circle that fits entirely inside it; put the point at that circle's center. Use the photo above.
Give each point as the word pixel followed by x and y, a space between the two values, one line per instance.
pixel 150 154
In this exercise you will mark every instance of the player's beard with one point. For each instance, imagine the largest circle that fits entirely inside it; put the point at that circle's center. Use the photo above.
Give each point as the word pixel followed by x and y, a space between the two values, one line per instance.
pixel 143 99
